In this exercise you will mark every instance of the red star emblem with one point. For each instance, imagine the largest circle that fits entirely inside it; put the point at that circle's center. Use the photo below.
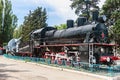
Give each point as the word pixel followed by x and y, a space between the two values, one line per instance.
pixel 103 35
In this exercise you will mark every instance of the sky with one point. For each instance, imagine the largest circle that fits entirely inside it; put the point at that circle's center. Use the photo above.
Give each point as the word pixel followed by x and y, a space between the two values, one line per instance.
pixel 58 11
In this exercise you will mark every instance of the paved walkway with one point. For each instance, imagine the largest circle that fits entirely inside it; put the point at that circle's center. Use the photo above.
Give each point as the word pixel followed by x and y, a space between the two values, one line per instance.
pixel 19 70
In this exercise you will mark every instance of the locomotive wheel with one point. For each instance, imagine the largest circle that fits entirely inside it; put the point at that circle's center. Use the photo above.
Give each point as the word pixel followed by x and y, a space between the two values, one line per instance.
pixel 93 60
pixel 97 57
pixel 110 62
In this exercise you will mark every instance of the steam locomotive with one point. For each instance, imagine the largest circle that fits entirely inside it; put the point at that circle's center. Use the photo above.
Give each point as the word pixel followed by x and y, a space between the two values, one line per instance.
pixel 86 42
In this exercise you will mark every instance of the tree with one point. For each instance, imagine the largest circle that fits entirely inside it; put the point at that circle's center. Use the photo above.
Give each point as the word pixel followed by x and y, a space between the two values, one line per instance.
pixel 115 32
pixel 111 8
pixel 1 10
pixel 83 6
pixel 18 32
pixel 34 20
pixel 8 22
pixel 61 26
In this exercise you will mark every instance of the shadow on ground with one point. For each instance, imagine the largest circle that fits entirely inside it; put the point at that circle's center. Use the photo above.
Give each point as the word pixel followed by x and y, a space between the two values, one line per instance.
pixel 3 72
pixel 5 76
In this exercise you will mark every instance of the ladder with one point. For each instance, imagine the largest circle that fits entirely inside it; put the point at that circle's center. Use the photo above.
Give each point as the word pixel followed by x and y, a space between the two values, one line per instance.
pixel 91 55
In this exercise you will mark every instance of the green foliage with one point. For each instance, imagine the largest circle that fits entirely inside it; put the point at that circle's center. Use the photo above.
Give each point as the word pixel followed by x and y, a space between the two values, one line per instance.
pixel 116 32
pixel 1 9
pixel 61 26
pixel 18 32
pixel 4 44
pixel 79 6
pixel 34 20
pixel 10 22
pixel 112 9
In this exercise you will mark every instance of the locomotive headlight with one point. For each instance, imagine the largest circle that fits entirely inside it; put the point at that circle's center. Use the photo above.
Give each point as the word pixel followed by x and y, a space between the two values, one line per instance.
pixel 108 59
pixel 102 50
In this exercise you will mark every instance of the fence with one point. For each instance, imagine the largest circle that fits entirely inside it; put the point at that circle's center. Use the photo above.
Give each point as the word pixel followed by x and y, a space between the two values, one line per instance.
pixel 79 66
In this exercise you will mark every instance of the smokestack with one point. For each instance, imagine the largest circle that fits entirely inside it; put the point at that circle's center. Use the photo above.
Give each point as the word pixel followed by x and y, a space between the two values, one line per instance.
pixel 95 15
pixel 70 23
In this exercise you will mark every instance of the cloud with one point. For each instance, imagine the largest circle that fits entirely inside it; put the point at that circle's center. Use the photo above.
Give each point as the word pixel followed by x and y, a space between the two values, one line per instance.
pixel 62 9
pixel 58 11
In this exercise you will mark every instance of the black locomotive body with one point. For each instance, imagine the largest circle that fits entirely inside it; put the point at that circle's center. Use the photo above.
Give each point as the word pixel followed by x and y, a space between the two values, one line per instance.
pixel 96 32
pixel 74 41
